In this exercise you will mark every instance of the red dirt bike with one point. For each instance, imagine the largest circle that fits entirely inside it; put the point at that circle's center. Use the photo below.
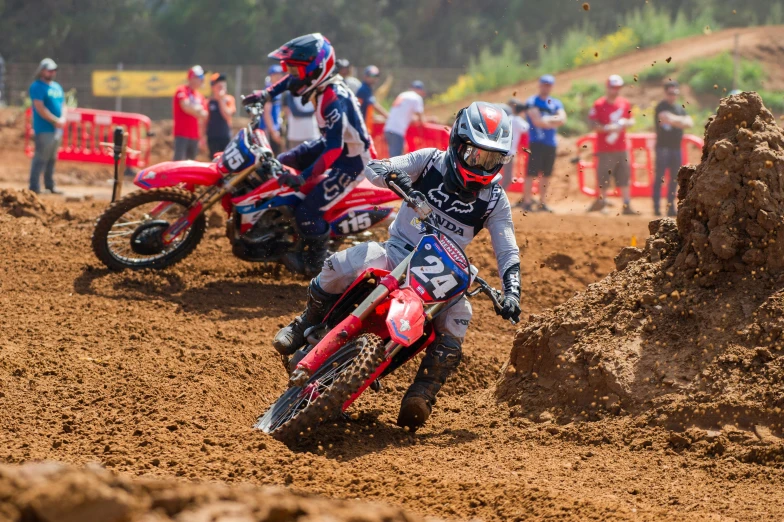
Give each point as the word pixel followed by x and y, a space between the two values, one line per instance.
pixel 379 323
pixel 163 223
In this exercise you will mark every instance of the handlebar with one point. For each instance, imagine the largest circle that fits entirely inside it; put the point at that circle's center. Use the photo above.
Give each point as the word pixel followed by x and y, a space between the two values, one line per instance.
pixel 495 295
pixel 416 200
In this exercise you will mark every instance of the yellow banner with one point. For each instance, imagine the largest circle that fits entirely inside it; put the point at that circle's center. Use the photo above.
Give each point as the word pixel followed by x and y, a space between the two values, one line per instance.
pixel 141 84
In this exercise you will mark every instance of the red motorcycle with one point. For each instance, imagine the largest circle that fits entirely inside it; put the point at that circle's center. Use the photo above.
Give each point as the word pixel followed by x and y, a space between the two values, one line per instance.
pixel 163 223
pixel 379 323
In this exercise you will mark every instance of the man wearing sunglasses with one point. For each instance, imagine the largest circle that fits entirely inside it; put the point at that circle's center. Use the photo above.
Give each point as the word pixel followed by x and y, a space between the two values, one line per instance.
pixel 462 186
pixel 330 166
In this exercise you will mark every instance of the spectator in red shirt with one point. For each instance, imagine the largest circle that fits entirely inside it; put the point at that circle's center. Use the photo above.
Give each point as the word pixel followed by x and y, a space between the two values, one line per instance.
pixel 190 113
pixel 611 115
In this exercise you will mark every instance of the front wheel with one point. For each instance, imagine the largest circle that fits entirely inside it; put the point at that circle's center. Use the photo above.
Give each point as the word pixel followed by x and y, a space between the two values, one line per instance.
pixel 302 408
pixel 129 234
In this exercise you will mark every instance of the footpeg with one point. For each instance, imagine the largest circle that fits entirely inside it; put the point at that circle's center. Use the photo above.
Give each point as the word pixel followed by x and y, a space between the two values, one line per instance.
pixel 299 377
pixel 375 386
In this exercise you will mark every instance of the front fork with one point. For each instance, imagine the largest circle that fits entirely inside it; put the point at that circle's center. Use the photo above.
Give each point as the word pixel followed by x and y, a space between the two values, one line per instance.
pixel 203 203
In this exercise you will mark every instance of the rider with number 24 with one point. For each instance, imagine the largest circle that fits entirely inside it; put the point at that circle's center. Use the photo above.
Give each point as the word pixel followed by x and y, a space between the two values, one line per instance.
pixel 461 185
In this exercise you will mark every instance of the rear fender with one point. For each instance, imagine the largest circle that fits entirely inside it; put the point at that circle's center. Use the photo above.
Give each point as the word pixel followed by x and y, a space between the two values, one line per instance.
pixel 406 317
pixel 174 173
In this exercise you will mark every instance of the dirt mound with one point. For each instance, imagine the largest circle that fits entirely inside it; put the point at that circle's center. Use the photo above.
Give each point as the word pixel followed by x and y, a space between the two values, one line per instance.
pixel 688 331
pixel 23 203
pixel 52 492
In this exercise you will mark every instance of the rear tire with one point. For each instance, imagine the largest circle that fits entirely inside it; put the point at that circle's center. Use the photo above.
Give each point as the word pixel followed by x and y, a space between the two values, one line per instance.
pixel 108 220
pixel 293 417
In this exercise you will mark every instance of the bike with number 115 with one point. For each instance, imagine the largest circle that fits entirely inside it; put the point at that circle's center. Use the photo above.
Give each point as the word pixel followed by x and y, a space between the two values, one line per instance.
pixel 162 223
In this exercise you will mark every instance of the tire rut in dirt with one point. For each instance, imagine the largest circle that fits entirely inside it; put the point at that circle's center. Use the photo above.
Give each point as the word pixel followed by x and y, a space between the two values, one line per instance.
pixel 107 220
pixel 330 401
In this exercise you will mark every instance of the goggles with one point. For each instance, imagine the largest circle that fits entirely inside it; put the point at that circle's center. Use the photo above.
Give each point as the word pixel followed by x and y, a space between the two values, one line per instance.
pixel 487 160
pixel 296 70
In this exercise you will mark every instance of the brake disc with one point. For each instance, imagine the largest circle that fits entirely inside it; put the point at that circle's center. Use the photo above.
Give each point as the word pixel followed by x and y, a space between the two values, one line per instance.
pixel 147 239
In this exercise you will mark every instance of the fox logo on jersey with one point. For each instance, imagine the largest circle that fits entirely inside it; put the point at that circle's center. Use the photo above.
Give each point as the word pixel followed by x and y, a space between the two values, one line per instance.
pixel 437 196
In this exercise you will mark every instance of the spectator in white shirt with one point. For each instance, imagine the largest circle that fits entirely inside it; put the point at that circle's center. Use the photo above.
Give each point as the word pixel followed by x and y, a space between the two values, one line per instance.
pixel 408 106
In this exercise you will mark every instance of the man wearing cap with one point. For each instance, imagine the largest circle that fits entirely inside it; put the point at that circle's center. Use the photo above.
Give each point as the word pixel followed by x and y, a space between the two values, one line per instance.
pixel 189 110
pixel 344 70
pixel 671 119
pixel 48 122
pixel 273 119
pixel 220 107
pixel 611 115
pixel 409 105
pixel 545 115
pixel 367 100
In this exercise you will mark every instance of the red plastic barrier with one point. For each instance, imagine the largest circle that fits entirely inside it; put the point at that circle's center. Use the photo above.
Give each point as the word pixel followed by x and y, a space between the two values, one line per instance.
pixel 85 129
pixel 641 148
pixel 434 135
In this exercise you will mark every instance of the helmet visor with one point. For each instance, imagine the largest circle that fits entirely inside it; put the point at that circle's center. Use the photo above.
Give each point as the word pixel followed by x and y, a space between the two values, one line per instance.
pixel 487 160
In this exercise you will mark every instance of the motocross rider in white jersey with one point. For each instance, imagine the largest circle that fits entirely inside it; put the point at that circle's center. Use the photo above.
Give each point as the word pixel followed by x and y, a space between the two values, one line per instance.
pixel 461 184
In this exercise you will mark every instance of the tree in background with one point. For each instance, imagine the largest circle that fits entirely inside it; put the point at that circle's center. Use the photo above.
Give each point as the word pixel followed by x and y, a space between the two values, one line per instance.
pixel 414 33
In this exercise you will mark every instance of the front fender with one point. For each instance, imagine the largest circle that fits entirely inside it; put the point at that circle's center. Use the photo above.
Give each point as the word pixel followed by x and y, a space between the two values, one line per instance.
pixel 406 317
pixel 173 173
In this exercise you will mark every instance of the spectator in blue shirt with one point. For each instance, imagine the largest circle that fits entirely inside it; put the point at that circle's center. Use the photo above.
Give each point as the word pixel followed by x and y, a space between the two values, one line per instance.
pixel 367 100
pixel 273 118
pixel 545 115
pixel 48 122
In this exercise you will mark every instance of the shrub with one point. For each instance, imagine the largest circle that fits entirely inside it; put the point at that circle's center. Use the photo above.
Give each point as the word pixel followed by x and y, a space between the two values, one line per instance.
pixel 487 72
pixel 657 73
pixel 578 46
pixel 577 102
pixel 712 74
pixel 654 26
pixel 774 100
pixel 609 46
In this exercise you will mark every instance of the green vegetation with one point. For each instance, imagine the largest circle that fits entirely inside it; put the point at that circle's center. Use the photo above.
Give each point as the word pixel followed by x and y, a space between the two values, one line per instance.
pixel 489 71
pixel 716 74
pixel 577 102
pixel 657 73
pixel 579 46
pixel 774 100
pixel 654 26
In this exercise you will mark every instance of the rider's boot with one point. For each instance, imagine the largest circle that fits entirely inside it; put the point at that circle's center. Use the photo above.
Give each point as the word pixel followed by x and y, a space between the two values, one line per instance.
pixel 441 359
pixel 315 253
pixel 291 338
pixel 310 260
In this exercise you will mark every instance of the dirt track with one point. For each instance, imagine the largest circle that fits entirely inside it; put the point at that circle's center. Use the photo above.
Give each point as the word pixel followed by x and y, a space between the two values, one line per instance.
pixel 163 373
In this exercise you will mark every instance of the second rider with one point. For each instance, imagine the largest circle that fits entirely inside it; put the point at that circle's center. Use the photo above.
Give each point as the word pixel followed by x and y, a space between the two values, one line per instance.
pixel 330 164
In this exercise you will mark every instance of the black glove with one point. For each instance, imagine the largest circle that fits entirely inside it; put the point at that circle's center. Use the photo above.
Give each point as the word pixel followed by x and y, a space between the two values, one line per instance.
pixel 383 169
pixel 262 96
pixel 291 180
pixel 510 306
pixel 401 179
